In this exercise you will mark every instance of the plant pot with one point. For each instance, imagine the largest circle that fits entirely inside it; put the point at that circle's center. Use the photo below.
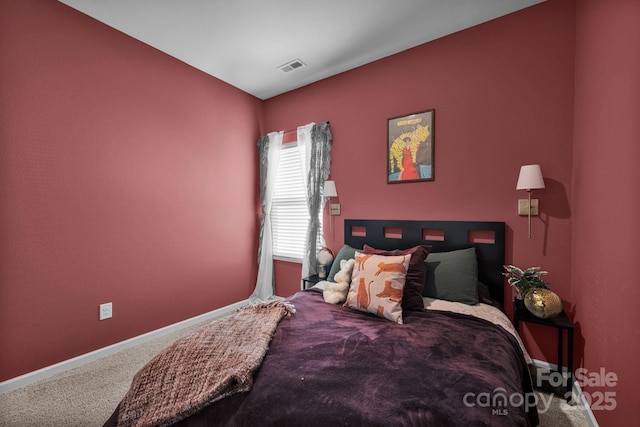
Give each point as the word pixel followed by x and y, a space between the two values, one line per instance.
pixel 543 303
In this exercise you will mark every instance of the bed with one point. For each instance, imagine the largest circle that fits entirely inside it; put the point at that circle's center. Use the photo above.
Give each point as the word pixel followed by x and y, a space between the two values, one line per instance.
pixel 450 362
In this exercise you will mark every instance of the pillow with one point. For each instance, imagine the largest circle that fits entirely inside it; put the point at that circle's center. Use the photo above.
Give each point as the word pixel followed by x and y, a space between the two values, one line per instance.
pixel 484 296
pixel 347 252
pixel 412 296
pixel 377 283
pixel 452 276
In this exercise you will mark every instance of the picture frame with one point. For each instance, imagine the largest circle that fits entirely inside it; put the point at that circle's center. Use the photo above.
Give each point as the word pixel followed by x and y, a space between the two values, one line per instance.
pixel 410 147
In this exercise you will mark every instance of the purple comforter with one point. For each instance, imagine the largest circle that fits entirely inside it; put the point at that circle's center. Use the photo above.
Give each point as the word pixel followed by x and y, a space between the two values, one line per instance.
pixel 328 365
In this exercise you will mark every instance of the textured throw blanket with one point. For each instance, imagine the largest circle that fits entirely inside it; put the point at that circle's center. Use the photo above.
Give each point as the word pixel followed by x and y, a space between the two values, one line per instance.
pixel 212 363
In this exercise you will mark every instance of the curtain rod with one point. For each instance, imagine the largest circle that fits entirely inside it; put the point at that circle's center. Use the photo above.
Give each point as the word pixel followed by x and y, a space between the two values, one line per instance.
pixel 293 130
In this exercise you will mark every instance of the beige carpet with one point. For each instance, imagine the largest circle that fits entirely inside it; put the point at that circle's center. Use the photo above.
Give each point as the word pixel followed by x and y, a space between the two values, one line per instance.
pixel 87 395
pixel 84 396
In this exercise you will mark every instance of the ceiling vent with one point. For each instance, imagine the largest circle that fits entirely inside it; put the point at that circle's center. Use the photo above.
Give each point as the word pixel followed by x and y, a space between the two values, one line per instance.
pixel 292 65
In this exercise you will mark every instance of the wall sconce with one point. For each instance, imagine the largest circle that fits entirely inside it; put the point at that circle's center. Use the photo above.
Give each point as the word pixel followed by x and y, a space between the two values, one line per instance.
pixel 530 178
pixel 329 192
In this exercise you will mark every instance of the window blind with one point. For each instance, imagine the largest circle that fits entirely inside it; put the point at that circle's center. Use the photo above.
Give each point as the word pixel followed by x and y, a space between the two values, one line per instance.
pixel 289 212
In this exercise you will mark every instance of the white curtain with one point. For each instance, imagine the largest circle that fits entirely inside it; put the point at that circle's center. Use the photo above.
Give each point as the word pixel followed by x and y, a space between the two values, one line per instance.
pixel 269 148
pixel 314 144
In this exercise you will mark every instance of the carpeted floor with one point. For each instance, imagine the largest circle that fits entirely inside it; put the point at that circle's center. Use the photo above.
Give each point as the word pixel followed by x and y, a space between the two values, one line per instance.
pixel 87 395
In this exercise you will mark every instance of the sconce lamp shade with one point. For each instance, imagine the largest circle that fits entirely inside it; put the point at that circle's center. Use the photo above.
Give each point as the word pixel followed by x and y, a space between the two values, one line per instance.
pixel 330 189
pixel 530 178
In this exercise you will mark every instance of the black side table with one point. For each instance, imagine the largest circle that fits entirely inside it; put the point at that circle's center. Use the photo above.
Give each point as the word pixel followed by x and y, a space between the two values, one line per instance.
pixel 309 281
pixel 561 322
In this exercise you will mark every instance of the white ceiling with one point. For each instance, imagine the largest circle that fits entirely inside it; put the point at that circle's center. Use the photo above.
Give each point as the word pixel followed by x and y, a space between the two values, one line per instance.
pixel 243 42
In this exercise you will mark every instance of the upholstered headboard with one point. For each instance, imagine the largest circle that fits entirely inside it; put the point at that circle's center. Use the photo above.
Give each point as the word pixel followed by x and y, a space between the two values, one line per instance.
pixel 487 237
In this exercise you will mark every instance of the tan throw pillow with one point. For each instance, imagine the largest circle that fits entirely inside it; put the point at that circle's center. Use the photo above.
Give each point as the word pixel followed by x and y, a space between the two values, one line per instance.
pixel 377 284
pixel 416 274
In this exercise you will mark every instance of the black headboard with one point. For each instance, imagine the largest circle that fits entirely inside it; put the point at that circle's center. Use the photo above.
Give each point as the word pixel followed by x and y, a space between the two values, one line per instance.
pixel 487 237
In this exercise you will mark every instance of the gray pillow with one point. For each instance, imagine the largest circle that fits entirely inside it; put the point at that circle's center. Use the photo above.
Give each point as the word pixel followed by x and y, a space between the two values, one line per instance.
pixel 452 276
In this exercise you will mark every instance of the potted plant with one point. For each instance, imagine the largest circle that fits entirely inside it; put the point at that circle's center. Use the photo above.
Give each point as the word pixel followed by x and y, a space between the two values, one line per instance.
pixel 525 280
pixel 533 292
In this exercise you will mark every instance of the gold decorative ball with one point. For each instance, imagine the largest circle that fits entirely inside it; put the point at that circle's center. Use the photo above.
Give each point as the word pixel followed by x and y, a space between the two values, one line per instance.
pixel 543 303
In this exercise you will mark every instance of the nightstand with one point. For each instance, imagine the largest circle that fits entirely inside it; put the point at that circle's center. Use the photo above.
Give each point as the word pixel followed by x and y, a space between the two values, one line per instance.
pixel 309 281
pixel 560 322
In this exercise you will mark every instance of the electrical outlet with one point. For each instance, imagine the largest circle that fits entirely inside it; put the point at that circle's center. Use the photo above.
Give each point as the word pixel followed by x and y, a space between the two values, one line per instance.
pixel 106 311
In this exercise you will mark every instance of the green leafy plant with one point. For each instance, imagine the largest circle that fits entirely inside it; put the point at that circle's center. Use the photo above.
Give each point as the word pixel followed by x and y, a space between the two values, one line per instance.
pixel 524 280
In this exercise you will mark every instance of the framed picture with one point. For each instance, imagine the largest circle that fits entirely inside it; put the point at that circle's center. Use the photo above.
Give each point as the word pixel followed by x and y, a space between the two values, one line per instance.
pixel 410 141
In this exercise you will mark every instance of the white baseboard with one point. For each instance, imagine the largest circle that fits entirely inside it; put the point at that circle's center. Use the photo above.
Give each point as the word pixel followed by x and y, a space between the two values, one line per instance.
pixel 49 371
pixel 577 391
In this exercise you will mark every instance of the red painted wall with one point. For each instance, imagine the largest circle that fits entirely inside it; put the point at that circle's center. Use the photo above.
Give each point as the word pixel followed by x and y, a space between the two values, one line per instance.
pixel 606 199
pixel 126 176
pixel 503 97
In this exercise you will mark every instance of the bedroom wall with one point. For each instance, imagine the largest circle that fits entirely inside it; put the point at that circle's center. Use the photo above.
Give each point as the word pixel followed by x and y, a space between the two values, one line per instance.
pixel 98 203
pixel 606 200
pixel 503 97
pixel 126 177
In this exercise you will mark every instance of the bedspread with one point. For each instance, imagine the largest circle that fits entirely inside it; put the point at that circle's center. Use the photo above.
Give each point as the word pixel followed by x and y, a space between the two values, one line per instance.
pixel 329 365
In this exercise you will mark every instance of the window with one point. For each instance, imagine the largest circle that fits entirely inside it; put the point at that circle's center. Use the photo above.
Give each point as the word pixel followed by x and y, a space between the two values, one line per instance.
pixel 289 213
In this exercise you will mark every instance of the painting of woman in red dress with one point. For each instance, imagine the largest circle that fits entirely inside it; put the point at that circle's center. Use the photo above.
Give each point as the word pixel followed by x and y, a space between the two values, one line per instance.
pixel 411 148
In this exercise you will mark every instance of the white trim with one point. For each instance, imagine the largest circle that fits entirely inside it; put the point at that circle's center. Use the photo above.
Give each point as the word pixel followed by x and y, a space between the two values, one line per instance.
pixel 49 371
pixel 577 391
pixel 287 259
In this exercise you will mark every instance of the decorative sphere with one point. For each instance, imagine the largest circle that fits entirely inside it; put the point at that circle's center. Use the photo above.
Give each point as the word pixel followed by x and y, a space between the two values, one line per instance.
pixel 543 303
pixel 325 256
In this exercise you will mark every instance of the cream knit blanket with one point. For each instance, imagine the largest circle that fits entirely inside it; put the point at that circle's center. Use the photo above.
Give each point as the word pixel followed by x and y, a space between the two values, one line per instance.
pixel 211 363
